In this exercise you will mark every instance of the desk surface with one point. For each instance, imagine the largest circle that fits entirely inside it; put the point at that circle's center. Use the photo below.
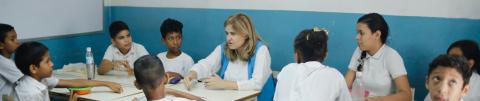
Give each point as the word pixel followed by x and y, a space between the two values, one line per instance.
pixel 209 95
pixel 99 93
pixel 130 92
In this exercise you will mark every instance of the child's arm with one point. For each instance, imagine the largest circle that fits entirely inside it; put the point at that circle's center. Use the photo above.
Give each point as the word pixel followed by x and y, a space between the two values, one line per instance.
pixel 403 92
pixel 349 78
pixel 117 88
pixel 182 94
pixel 105 67
pixel 108 65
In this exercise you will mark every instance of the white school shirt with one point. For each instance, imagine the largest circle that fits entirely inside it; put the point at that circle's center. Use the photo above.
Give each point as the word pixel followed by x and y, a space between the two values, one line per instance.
pixel 237 70
pixel 379 70
pixel 180 64
pixel 29 89
pixel 9 74
pixel 113 53
pixel 474 91
pixel 311 81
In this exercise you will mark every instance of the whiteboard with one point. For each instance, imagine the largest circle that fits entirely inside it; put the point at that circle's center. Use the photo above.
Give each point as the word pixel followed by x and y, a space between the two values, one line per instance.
pixel 34 19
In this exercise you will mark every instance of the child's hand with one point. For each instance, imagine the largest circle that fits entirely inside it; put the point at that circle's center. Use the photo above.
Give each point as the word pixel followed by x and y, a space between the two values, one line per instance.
pixel 117 88
pixel 126 65
pixel 117 64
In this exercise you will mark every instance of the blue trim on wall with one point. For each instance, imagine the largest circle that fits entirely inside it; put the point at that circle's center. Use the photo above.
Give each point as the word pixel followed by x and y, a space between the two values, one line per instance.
pixel 417 39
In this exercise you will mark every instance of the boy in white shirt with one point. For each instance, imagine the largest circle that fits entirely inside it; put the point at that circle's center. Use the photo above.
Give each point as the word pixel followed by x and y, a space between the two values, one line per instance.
pixel 176 63
pixel 150 77
pixel 448 78
pixel 470 50
pixel 308 79
pixel 121 54
pixel 33 60
pixel 9 74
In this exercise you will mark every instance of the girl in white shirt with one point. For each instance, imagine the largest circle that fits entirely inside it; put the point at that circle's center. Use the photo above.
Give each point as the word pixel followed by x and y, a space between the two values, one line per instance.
pixel 119 56
pixel 308 79
pixel 242 63
pixel 470 50
pixel 380 67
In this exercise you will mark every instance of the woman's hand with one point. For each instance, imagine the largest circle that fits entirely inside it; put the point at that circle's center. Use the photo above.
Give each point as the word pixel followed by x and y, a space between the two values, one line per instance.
pixel 215 82
pixel 187 81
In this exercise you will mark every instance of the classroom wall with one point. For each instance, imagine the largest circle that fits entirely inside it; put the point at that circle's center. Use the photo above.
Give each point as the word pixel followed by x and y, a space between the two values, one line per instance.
pixel 418 33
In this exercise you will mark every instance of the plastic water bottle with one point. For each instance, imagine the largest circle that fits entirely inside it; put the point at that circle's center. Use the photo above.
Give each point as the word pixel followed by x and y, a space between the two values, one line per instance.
pixel 359 92
pixel 90 64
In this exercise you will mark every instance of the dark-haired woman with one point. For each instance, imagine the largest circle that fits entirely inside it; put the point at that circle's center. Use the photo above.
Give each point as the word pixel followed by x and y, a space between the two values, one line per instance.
pixel 375 65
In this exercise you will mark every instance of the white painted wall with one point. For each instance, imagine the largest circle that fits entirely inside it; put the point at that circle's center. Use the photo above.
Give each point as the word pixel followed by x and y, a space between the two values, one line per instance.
pixel 35 19
pixel 469 9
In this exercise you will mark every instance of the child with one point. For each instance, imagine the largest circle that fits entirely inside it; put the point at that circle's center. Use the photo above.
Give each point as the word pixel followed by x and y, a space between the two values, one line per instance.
pixel 33 60
pixel 9 74
pixel 150 77
pixel 448 78
pixel 308 79
pixel 176 62
pixel 121 54
pixel 469 49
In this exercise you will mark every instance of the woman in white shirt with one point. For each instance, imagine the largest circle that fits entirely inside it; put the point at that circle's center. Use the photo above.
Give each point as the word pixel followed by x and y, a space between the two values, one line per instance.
pixel 242 63
pixel 308 79
pixel 379 66
pixel 470 50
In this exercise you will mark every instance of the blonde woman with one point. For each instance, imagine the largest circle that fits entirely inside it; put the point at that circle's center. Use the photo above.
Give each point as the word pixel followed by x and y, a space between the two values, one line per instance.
pixel 242 63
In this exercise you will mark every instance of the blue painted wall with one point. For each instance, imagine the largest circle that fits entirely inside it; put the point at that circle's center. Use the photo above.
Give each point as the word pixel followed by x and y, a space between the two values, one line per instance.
pixel 417 39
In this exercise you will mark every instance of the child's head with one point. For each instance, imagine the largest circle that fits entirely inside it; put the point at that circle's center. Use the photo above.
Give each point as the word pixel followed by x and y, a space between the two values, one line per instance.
pixel 469 49
pixel 241 37
pixel 120 35
pixel 311 45
pixel 171 30
pixel 33 59
pixel 448 78
pixel 149 74
pixel 8 39
pixel 371 29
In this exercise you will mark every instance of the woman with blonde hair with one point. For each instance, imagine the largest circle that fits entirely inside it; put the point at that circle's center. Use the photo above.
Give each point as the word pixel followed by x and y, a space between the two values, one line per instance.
pixel 241 63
